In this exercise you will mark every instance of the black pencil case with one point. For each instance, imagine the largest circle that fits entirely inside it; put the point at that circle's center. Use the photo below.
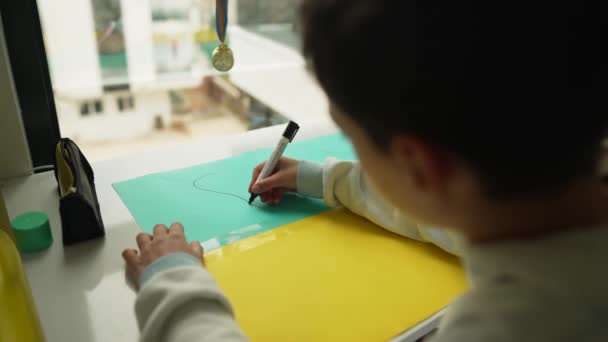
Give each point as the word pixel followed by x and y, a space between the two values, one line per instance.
pixel 78 204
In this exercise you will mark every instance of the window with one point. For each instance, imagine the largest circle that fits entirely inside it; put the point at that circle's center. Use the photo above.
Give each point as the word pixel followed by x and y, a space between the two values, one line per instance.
pixel 273 19
pixel 90 107
pixel 153 52
pixel 98 107
pixel 84 109
pixel 125 103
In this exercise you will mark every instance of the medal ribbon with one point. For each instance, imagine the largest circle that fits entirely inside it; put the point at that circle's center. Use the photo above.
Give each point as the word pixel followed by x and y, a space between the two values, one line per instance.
pixel 221 18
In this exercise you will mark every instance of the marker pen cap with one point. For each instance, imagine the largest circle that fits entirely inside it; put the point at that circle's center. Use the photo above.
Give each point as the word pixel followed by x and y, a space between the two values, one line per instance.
pixel 291 130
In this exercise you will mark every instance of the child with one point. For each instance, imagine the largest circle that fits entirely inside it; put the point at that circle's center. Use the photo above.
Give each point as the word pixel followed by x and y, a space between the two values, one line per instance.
pixel 492 131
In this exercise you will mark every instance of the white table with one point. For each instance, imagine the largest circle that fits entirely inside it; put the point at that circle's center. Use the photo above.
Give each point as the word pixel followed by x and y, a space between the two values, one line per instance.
pixel 80 291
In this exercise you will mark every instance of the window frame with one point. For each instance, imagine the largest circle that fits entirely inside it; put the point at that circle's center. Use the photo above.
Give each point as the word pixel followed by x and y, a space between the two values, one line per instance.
pixel 28 61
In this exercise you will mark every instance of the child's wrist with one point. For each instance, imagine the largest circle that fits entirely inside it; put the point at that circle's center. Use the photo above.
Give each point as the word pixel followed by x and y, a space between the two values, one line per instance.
pixel 309 180
pixel 167 262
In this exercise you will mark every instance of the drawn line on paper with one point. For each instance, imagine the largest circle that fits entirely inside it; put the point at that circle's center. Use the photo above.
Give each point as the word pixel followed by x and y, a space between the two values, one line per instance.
pixel 195 184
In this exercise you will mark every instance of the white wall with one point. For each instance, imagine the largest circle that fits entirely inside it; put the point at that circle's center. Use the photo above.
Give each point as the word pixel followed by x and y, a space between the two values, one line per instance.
pixel 71 47
pixel 112 124
pixel 14 151
pixel 155 103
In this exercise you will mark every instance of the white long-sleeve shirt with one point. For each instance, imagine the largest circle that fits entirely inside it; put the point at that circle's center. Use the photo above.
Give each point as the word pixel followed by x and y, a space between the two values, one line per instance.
pixel 543 290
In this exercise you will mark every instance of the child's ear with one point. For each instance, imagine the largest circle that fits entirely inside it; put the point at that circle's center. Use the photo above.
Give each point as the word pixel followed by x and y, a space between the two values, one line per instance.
pixel 424 163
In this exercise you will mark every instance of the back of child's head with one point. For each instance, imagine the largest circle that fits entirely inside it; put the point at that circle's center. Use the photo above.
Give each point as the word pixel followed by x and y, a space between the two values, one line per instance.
pixel 517 90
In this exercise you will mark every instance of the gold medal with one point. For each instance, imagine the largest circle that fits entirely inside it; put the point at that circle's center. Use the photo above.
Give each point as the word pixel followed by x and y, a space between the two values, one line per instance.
pixel 222 58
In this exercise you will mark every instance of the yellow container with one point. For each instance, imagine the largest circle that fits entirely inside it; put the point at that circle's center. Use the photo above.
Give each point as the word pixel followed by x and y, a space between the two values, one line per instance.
pixel 5 223
pixel 18 317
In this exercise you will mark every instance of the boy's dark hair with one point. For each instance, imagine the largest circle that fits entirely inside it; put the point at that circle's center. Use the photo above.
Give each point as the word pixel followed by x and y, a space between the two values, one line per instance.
pixel 516 90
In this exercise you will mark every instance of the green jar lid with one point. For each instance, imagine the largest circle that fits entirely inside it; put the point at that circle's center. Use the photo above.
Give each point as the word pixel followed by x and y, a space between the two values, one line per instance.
pixel 32 232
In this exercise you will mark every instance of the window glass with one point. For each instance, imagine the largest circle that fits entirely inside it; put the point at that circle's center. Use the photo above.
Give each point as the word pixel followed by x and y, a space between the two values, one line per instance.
pixel 150 59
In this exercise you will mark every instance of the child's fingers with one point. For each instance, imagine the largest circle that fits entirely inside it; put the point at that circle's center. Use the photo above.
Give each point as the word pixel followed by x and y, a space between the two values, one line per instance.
pixel 143 240
pixel 256 173
pixel 133 266
pixel 259 167
pixel 266 197
pixel 278 195
pixel 275 195
pixel 197 248
pixel 131 257
pixel 160 229
pixel 176 228
pixel 276 180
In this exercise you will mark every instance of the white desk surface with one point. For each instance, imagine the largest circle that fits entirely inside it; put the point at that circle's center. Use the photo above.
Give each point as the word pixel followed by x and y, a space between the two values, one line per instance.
pixel 80 291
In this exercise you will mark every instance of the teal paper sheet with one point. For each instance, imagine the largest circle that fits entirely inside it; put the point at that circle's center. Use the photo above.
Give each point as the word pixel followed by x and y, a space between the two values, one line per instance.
pixel 210 199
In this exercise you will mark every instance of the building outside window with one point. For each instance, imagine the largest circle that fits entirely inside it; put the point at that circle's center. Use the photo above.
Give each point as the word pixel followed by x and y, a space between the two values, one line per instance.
pixel 150 59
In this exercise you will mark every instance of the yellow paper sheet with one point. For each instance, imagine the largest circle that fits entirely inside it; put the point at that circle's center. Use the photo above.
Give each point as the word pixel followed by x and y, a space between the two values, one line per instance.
pixel 334 277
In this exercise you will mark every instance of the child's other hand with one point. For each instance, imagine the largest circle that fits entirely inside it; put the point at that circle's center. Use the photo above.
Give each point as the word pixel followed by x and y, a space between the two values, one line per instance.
pixel 152 247
pixel 273 187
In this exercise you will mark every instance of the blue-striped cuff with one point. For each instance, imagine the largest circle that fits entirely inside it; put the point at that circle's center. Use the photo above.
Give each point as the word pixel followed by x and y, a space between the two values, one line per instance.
pixel 166 262
pixel 310 179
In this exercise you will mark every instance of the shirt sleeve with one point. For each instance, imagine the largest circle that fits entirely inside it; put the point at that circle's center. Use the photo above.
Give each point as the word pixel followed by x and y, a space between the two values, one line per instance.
pixel 342 184
pixel 180 301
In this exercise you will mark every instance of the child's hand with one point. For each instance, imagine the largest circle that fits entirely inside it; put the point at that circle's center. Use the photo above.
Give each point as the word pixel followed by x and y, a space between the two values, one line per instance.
pixel 273 187
pixel 164 241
